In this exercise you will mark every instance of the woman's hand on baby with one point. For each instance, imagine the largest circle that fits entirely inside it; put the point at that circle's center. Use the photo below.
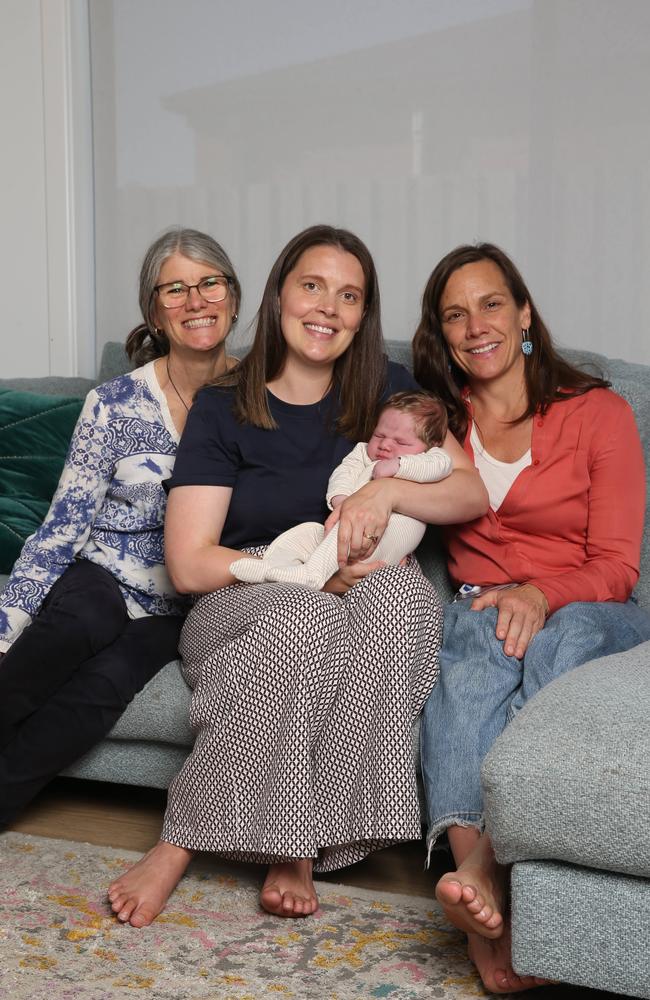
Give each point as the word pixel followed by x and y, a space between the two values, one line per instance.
pixel 522 614
pixel 385 468
pixel 350 574
pixel 362 521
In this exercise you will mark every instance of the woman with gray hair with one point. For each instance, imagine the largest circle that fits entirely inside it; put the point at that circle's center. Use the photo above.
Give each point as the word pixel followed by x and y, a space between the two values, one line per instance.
pixel 89 614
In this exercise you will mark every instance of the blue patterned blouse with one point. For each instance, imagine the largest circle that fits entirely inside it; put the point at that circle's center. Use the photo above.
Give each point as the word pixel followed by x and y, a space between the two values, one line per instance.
pixel 109 506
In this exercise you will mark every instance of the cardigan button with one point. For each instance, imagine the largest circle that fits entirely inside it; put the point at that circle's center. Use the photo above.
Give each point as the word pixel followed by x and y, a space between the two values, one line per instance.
pixel 540 422
pixel 536 462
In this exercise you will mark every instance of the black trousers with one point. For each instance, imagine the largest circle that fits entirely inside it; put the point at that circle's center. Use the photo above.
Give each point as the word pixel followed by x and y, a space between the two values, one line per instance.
pixel 69 676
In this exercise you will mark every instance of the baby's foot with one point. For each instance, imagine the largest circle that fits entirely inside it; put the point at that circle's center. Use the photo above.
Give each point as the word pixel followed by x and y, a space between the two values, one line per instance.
pixel 295 545
pixel 300 576
pixel 249 569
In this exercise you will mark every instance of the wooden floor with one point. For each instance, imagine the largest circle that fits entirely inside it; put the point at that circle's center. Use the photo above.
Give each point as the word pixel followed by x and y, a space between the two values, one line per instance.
pixel 130 818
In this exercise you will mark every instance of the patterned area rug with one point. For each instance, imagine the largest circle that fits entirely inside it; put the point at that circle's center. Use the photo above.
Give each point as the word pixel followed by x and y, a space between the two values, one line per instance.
pixel 58 939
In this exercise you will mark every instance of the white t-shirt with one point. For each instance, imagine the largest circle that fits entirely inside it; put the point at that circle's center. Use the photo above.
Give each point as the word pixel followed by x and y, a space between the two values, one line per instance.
pixel 497 476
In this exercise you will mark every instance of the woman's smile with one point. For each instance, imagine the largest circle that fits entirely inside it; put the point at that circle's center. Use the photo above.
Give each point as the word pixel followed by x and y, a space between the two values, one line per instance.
pixel 320 330
pixel 196 324
pixel 484 348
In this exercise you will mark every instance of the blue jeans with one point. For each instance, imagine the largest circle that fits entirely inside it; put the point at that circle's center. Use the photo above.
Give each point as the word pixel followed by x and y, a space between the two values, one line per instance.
pixel 480 689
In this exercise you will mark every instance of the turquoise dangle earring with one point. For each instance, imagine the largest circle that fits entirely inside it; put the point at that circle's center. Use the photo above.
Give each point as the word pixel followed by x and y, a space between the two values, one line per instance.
pixel 526 343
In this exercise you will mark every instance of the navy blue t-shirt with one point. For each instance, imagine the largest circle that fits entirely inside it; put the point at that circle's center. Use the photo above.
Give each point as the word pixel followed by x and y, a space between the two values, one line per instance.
pixel 278 477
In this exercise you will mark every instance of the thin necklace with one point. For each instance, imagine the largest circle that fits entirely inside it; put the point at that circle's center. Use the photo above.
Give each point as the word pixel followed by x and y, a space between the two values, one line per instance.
pixel 173 385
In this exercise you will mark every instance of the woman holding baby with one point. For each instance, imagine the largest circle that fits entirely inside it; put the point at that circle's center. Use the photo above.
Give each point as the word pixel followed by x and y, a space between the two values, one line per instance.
pixel 303 700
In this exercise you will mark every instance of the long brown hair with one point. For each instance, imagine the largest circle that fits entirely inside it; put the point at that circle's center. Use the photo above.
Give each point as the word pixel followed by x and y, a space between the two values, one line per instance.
pixel 359 374
pixel 548 376
pixel 146 341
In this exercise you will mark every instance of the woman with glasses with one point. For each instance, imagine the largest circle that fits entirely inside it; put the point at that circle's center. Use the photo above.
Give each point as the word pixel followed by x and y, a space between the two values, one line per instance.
pixel 89 614
pixel 303 700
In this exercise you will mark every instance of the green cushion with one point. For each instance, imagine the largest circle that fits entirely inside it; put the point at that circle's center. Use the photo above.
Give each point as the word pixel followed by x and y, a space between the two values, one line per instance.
pixel 35 432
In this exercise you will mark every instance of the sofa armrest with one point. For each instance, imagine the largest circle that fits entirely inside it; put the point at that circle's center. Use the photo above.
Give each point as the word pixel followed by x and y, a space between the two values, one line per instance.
pixel 568 779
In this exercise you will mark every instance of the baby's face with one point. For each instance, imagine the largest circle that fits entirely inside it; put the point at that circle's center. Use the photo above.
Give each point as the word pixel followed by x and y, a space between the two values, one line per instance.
pixel 394 435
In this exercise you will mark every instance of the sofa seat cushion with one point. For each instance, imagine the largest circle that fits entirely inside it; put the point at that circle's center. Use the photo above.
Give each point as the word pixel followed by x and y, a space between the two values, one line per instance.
pixel 578 925
pixel 160 712
pixel 569 779
pixel 35 431
pixel 130 762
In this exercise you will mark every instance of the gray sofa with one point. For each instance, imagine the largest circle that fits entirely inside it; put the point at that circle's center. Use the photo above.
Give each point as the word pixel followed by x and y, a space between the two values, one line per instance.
pixel 567 785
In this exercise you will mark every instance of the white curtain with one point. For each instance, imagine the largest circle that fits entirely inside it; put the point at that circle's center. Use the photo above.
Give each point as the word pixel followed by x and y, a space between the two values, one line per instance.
pixel 418 125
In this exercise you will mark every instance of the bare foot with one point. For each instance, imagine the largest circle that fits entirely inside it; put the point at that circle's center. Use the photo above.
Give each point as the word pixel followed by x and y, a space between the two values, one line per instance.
pixel 473 897
pixel 288 889
pixel 493 962
pixel 138 896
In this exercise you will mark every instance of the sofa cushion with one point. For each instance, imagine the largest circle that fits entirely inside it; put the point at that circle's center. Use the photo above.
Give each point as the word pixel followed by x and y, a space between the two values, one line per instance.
pixel 51 385
pixel 114 362
pixel 161 712
pixel 35 431
pixel 578 925
pixel 568 779
pixel 130 762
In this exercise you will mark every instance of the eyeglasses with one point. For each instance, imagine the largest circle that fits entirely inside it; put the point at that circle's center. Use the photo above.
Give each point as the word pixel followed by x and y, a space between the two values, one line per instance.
pixel 175 293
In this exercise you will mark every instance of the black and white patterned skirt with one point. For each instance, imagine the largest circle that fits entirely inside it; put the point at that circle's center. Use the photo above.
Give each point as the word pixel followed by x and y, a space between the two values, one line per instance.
pixel 303 706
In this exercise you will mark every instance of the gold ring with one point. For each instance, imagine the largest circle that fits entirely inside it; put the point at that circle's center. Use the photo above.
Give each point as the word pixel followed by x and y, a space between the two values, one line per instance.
pixel 371 538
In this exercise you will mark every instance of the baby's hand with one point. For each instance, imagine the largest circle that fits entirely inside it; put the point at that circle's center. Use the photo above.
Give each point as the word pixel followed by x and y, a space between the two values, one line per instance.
pixel 385 468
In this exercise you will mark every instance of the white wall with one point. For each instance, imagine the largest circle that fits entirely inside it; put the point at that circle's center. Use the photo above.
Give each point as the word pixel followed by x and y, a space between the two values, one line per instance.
pixel 419 125
pixel 46 199
pixel 23 257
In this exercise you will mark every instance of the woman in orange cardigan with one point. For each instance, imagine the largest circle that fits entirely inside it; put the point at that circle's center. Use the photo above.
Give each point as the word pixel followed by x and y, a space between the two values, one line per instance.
pixel 547 574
